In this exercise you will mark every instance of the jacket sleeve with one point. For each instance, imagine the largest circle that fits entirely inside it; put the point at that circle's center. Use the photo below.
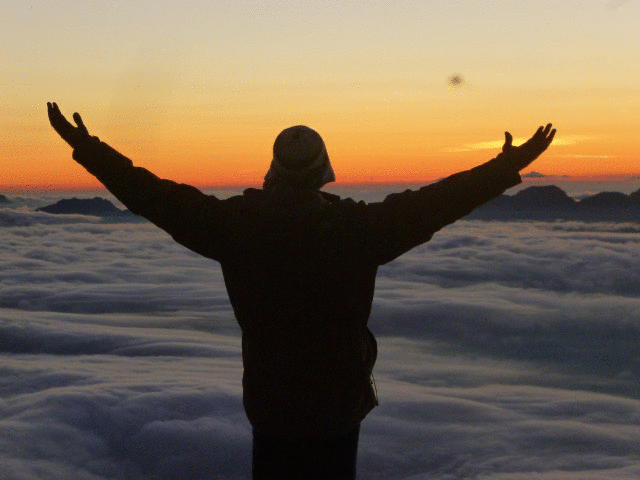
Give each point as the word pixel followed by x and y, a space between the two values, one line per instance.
pixel 405 220
pixel 192 218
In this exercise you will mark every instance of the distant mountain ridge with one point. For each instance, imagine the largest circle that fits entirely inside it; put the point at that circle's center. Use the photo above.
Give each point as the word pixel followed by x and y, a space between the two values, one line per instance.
pixel 546 203
pixel 99 207
pixel 552 203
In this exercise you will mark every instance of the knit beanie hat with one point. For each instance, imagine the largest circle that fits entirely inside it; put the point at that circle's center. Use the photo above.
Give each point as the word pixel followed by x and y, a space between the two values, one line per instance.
pixel 300 159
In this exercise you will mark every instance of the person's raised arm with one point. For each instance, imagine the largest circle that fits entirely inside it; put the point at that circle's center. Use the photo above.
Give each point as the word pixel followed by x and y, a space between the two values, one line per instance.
pixel 405 220
pixel 192 218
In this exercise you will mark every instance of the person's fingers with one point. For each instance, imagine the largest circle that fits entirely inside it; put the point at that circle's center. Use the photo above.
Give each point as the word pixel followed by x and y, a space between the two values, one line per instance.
pixel 508 139
pixel 56 113
pixel 51 109
pixel 61 125
pixel 55 117
pixel 507 142
pixel 78 119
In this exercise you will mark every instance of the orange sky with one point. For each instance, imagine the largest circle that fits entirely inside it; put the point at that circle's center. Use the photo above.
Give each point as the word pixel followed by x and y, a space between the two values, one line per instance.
pixel 198 93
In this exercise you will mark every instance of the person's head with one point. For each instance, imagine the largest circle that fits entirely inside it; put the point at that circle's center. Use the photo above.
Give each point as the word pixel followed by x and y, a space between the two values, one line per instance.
pixel 300 159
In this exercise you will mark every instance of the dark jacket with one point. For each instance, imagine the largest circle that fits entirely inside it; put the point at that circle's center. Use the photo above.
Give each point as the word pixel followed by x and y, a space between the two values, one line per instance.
pixel 299 266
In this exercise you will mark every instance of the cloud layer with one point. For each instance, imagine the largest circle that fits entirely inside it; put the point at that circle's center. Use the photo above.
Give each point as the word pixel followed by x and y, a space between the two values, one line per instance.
pixel 507 351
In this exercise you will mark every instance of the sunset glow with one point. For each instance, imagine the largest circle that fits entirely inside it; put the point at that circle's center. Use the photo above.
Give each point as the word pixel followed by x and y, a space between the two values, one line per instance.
pixel 197 91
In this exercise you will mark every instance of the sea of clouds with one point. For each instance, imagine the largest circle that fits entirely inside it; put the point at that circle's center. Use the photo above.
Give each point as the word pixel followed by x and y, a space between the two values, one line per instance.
pixel 506 351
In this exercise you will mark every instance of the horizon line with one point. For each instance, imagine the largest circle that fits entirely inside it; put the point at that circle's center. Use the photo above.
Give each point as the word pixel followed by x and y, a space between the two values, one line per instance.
pixel 33 188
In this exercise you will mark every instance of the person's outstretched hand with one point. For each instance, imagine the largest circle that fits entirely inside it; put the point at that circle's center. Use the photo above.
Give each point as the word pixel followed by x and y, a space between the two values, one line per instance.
pixel 70 134
pixel 526 153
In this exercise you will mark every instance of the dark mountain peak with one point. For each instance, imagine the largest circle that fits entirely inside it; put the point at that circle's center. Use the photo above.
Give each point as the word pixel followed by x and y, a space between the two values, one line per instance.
pixel 634 197
pixel 4 199
pixel 605 200
pixel 550 203
pixel 533 174
pixel 96 206
pixel 543 196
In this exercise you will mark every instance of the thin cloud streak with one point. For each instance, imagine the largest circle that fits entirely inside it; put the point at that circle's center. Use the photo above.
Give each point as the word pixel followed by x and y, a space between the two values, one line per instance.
pixel 588 156
pixel 497 144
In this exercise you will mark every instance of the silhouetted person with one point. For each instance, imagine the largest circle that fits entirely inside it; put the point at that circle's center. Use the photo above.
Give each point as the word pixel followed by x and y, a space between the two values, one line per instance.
pixel 300 265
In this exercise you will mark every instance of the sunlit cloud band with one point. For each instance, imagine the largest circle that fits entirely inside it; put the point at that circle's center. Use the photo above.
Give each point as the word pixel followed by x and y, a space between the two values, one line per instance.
pixel 497 144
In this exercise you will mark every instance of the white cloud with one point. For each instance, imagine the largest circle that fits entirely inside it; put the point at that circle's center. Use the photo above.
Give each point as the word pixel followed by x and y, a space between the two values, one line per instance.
pixel 507 350
pixel 21 218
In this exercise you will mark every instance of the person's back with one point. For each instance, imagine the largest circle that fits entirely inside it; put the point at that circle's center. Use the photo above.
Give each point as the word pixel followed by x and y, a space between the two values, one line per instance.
pixel 301 286
pixel 300 265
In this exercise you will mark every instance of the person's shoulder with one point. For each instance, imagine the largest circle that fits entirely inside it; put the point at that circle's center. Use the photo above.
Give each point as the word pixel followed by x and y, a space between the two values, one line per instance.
pixel 253 199
pixel 285 200
pixel 339 201
pixel 251 193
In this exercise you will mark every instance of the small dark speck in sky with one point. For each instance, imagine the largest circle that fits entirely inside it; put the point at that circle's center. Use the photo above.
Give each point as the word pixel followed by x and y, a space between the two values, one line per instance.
pixel 456 80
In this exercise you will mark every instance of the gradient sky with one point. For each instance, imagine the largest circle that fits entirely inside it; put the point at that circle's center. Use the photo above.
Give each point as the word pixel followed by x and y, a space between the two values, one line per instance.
pixel 197 91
